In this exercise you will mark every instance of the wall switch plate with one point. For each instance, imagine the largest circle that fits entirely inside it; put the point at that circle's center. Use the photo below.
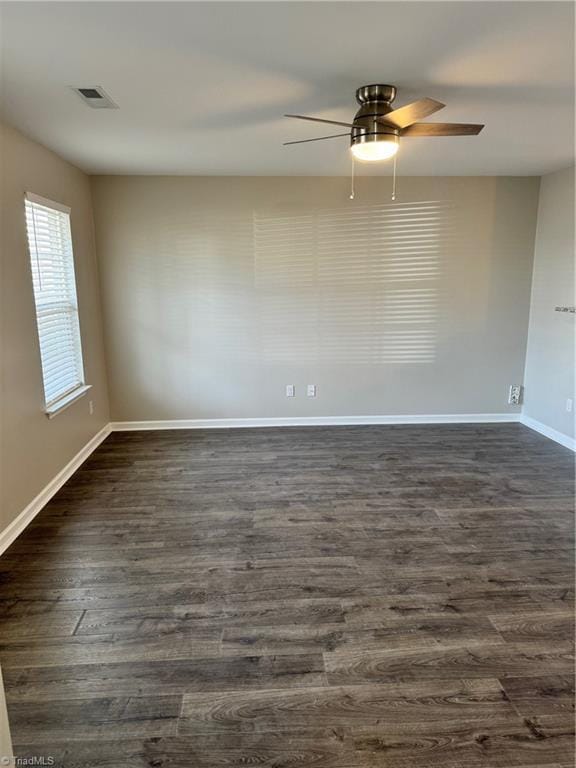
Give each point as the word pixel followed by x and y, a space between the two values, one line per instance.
pixel 569 405
pixel 91 407
pixel 290 390
pixel 311 390
pixel 514 394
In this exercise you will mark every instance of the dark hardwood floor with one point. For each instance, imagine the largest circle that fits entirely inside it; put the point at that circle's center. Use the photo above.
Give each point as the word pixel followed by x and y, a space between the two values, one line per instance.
pixel 352 597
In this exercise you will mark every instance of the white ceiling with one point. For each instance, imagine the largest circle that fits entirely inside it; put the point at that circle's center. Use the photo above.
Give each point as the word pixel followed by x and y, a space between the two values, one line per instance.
pixel 202 86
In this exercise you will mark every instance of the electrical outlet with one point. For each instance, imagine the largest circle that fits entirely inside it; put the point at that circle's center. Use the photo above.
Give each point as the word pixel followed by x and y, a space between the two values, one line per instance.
pixel 290 390
pixel 569 405
pixel 514 394
pixel 91 407
pixel 311 390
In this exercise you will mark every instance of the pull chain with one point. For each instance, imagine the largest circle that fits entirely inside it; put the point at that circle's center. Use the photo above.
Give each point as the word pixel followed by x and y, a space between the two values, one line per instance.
pixel 352 181
pixel 394 179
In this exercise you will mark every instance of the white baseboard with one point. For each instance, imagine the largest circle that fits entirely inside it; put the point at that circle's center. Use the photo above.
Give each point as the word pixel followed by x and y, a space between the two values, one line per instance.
pixel 553 434
pixel 310 421
pixel 9 534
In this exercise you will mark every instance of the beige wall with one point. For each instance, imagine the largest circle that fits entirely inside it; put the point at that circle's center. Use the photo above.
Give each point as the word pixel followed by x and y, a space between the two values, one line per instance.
pixel 34 448
pixel 5 738
pixel 220 291
pixel 550 358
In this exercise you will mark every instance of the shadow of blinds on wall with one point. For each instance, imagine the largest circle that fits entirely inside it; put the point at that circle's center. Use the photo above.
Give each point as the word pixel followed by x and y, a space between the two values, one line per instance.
pixel 351 284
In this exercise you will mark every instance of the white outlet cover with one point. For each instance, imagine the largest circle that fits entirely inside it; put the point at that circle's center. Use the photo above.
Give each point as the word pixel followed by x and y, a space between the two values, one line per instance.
pixel 311 390
pixel 290 390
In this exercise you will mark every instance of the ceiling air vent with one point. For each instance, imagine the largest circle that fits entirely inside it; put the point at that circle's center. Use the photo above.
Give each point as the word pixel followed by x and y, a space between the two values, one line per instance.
pixel 96 97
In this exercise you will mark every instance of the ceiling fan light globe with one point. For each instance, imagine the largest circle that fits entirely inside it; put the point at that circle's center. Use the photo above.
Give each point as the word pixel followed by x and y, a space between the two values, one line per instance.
pixel 378 148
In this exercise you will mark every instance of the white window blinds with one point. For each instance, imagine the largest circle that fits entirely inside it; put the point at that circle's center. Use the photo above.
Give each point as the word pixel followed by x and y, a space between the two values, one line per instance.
pixel 52 262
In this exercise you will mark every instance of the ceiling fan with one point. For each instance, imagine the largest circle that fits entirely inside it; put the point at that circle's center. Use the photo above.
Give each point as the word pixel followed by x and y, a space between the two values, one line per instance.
pixel 377 127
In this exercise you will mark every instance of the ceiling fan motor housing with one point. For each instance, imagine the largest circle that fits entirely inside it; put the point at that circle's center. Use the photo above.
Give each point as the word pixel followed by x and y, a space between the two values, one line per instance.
pixel 375 101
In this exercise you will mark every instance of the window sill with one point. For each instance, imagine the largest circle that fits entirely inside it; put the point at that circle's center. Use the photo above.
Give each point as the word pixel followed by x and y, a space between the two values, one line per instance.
pixel 67 400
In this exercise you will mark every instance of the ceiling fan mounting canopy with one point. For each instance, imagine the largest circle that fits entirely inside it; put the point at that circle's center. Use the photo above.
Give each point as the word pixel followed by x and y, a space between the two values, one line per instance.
pixel 383 93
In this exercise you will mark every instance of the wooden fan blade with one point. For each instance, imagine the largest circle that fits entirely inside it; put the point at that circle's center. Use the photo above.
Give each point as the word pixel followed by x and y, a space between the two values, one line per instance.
pixel 442 129
pixel 320 138
pixel 320 120
pixel 405 116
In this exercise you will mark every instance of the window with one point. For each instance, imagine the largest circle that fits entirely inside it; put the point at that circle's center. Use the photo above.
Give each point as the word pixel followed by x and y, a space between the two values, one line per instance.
pixel 52 262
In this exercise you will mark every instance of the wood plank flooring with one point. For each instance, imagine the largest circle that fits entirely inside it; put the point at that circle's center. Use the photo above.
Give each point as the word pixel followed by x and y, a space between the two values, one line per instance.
pixel 344 597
